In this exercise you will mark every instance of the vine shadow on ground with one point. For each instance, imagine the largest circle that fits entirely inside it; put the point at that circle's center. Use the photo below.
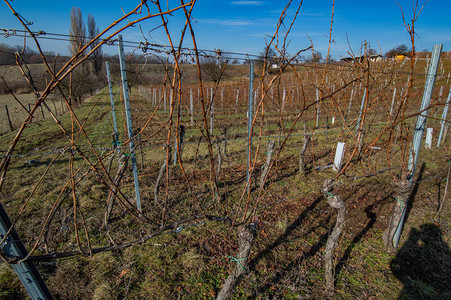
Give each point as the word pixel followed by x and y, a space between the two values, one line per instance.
pixel 285 238
pixel 286 234
pixel 414 192
pixel 347 253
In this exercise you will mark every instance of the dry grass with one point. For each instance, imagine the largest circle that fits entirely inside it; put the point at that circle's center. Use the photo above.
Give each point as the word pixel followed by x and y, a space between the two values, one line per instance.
pixel 294 221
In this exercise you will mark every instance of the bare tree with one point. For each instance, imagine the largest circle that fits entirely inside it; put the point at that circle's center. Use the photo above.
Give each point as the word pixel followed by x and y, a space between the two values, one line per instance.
pixel 77 31
pixel 93 31
pixel 214 67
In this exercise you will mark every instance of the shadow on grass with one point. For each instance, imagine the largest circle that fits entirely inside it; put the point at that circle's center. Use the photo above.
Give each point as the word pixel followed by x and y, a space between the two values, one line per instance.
pixel 347 254
pixel 284 238
pixel 414 192
pixel 423 265
pixel 294 267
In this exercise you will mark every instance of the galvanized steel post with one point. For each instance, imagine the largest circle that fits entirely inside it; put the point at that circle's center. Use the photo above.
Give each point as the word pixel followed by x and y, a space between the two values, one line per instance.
pixel 212 111
pixel 443 120
pixel 113 112
pixel 362 106
pixel 129 121
pixel 191 106
pixel 419 127
pixel 421 121
pixel 26 271
pixel 250 114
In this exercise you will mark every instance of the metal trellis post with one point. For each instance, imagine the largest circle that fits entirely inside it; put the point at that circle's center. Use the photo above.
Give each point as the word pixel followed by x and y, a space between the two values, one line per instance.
pixel 129 121
pixel 113 112
pixel 26 271
pixel 212 111
pixel 443 120
pixel 191 105
pixel 392 102
pixel 421 121
pixel 250 114
pixel 419 127
pixel 360 112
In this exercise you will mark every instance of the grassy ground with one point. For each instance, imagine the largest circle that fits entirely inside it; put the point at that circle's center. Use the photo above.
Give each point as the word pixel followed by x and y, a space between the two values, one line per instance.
pixel 294 220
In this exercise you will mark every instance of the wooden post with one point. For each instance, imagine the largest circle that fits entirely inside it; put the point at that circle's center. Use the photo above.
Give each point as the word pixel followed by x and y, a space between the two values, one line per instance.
pixel 62 107
pixel 54 106
pixel 178 149
pixel 9 119
pixel 29 109
pixel 236 101
pixel 164 99
pixel 42 111
pixel 191 106
pixel 317 107
pixel 171 94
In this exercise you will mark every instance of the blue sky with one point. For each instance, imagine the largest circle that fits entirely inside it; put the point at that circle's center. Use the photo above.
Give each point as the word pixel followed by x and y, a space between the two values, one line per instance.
pixel 241 26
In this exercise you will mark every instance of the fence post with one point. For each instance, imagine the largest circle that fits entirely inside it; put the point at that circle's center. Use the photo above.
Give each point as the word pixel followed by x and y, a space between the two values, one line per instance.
pixel 283 100
pixel 419 127
pixel 360 112
pixel 29 109
pixel 392 102
pixel 164 99
pixel 26 271
pixel 171 94
pixel 212 111
pixel 42 111
pixel 191 105
pixel 250 114
pixel 54 106
pixel 350 101
pixel 443 120
pixel 113 112
pixel 422 118
pixel 236 100
pixel 9 119
pixel 179 143
pixel 129 121
pixel 318 104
